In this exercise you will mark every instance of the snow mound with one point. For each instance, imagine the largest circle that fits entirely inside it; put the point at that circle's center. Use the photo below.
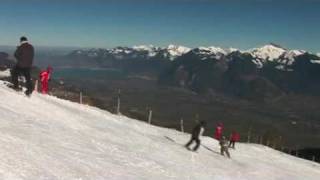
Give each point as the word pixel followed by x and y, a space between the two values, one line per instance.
pixel 44 137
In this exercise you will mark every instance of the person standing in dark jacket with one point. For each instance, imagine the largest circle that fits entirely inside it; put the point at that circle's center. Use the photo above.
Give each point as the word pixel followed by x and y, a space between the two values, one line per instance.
pixel 24 55
pixel 196 133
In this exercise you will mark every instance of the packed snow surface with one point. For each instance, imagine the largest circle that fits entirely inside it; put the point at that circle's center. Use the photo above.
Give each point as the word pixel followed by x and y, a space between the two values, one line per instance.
pixel 44 137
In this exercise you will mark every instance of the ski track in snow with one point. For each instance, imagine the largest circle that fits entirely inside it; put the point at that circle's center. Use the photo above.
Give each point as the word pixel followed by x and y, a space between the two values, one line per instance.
pixel 44 137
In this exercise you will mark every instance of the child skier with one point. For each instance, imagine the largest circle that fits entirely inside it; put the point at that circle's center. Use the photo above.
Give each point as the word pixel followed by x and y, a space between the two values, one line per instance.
pixel 224 146
pixel 45 76
pixel 218 133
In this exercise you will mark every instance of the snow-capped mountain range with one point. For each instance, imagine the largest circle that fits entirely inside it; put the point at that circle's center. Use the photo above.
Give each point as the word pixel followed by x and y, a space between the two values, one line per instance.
pixel 270 52
pixel 144 51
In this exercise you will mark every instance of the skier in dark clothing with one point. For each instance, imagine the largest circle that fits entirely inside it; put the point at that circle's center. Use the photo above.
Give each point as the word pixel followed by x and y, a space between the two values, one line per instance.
pixel 24 55
pixel 196 133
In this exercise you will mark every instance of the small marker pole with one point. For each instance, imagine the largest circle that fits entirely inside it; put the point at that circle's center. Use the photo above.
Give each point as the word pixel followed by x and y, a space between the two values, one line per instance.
pixel 181 125
pixel 36 86
pixel 150 117
pixel 118 102
pixel 80 97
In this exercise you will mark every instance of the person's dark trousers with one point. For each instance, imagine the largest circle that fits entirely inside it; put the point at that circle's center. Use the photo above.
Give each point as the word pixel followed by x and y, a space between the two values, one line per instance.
pixel 225 150
pixel 16 72
pixel 197 140
pixel 232 144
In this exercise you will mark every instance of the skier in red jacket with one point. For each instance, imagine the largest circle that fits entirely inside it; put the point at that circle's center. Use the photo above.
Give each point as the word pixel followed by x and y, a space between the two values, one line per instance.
pixel 218 133
pixel 235 137
pixel 44 78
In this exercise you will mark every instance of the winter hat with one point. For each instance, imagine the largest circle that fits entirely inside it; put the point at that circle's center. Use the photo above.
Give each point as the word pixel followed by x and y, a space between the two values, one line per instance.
pixel 23 38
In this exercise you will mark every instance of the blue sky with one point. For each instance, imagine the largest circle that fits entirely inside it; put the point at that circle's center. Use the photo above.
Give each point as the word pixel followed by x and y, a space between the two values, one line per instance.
pixel 243 24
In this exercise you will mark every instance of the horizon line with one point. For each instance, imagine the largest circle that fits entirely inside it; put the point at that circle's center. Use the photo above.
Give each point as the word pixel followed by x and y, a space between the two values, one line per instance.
pixel 148 45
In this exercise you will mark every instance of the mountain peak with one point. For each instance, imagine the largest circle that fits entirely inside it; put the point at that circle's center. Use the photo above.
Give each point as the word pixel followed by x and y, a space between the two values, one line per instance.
pixel 277 46
pixel 231 50
pixel 272 46
pixel 178 47
pixel 144 47
pixel 267 52
pixel 175 50
pixel 213 50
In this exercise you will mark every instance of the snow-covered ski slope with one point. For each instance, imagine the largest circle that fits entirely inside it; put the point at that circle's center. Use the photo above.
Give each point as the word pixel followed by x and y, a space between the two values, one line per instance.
pixel 44 137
